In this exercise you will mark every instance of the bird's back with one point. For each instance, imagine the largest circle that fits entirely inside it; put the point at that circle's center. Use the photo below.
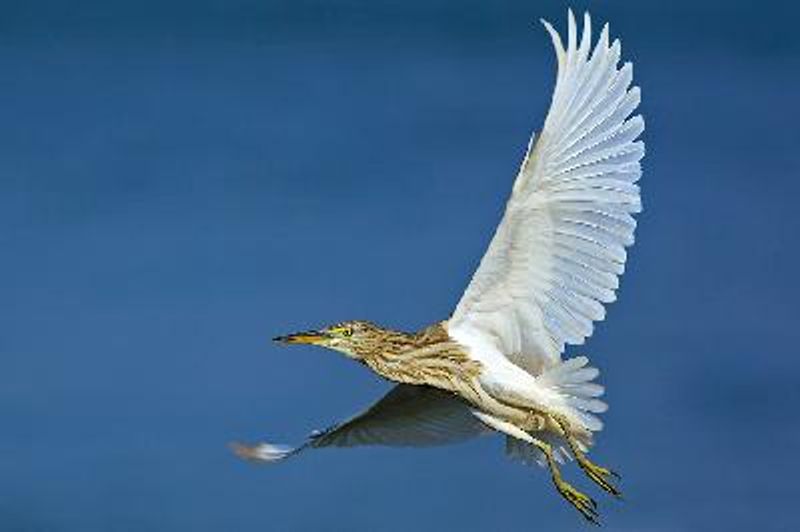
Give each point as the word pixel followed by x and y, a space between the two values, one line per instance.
pixel 428 357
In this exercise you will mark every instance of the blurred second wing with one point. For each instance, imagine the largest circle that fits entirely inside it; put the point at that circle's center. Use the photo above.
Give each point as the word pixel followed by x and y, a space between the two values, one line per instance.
pixel 407 416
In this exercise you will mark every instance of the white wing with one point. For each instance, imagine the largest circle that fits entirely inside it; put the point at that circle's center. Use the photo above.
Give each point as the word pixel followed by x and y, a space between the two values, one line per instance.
pixel 407 416
pixel 557 254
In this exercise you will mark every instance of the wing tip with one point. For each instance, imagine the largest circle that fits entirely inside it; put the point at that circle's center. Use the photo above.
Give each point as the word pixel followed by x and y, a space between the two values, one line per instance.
pixel 262 452
pixel 558 45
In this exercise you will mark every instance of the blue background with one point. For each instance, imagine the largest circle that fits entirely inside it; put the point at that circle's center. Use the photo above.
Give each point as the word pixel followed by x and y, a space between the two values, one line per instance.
pixel 180 182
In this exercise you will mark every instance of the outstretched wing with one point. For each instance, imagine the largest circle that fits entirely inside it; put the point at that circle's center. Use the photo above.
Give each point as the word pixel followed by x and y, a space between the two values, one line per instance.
pixel 407 416
pixel 557 254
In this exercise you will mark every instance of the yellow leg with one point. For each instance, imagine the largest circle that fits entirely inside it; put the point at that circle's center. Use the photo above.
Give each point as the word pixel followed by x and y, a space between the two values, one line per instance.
pixel 599 475
pixel 583 503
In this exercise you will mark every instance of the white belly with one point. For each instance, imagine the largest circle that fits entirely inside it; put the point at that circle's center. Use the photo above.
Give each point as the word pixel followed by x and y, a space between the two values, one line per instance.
pixel 504 380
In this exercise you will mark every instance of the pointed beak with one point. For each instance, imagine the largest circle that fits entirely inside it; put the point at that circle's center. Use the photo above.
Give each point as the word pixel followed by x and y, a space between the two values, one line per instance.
pixel 306 337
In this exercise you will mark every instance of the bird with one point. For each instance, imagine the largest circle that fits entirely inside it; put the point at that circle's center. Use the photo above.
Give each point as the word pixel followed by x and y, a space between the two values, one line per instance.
pixel 498 363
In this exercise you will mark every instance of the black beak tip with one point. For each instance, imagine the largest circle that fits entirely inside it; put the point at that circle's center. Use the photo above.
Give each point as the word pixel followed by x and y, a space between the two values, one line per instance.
pixel 280 339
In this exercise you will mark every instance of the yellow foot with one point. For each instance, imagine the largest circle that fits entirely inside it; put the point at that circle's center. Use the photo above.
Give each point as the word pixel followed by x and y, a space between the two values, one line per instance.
pixel 583 503
pixel 599 475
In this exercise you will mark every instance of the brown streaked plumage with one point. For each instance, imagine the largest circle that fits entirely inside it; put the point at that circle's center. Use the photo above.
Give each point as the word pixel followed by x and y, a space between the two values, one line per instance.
pixel 427 357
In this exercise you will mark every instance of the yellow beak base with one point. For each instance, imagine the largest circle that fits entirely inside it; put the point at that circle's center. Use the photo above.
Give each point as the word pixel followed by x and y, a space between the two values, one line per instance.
pixel 307 337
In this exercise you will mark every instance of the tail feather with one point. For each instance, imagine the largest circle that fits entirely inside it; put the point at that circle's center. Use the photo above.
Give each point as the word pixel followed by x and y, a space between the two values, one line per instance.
pixel 572 379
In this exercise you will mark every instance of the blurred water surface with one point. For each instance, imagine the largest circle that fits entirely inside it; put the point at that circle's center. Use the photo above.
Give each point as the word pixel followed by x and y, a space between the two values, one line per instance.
pixel 180 182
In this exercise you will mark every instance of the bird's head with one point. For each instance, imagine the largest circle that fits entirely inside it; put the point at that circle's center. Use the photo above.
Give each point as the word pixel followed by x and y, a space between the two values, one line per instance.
pixel 356 338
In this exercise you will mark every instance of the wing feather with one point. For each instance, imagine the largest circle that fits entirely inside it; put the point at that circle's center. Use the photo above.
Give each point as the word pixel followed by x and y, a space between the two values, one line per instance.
pixel 556 256
pixel 407 416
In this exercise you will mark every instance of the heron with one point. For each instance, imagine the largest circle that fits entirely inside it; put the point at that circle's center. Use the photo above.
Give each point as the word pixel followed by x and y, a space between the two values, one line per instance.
pixel 498 363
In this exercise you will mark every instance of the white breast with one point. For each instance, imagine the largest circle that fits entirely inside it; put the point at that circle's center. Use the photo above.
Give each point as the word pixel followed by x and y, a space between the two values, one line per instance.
pixel 501 378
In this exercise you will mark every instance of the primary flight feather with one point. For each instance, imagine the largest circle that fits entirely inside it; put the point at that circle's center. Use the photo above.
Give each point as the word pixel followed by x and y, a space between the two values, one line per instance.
pixel 552 265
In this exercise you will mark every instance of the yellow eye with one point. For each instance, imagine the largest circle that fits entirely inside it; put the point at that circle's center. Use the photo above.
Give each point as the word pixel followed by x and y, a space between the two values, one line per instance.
pixel 342 331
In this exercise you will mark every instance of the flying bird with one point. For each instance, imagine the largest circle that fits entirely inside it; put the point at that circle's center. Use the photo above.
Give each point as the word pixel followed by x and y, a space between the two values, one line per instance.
pixel 497 364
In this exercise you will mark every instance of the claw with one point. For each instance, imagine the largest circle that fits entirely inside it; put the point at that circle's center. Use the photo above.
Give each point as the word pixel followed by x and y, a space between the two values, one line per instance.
pixel 582 502
pixel 596 473
pixel 599 476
